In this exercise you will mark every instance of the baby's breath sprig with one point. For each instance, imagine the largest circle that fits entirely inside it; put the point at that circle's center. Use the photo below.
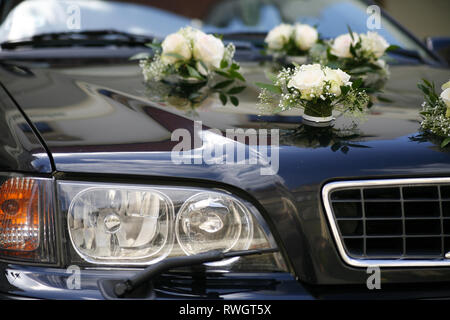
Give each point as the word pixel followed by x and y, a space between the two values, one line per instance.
pixel 435 115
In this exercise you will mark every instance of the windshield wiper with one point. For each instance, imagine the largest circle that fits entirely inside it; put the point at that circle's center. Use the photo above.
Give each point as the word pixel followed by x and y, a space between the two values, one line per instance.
pixel 408 53
pixel 82 38
pixel 116 289
pixel 256 38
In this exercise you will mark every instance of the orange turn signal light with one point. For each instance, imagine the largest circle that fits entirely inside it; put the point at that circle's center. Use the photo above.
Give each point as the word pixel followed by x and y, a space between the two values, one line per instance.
pixel 19 214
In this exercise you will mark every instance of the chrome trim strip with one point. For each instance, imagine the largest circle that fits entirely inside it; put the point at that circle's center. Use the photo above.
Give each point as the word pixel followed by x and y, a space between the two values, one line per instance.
pixel 364 263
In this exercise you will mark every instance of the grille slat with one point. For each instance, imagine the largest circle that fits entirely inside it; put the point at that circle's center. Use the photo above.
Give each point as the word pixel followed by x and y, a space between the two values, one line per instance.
pixel 393 222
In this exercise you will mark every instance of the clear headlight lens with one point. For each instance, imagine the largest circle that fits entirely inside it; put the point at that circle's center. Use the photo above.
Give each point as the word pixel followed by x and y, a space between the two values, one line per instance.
pixel 213 221
pixel 127 225
pixel 110 224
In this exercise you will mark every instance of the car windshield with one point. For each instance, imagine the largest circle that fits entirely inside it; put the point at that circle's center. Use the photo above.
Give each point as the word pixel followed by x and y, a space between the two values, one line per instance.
pixel 157 18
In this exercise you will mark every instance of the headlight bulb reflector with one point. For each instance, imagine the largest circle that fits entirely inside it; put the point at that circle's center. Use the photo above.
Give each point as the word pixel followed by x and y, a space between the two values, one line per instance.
pixel 213 221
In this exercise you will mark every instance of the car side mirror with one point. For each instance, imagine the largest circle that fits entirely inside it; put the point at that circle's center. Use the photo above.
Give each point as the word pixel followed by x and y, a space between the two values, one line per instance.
pixel 440 46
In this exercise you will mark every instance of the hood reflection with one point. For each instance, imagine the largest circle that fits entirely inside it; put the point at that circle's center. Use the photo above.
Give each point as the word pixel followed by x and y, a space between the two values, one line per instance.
pixel 326 137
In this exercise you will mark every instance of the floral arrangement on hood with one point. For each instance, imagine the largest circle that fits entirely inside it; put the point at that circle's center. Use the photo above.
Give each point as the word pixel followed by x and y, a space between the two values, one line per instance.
pixel 360 55
pixel 317 89
pixel 291 40
pixel 191 65
pixel 436 111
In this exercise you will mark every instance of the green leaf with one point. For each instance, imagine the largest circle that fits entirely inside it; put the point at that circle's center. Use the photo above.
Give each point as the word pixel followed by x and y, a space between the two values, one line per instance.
pixel 234 101
pixel 223 98
pixel 234 66
pixel 236 90
pixel 223 74
pixel 374 67
pixel 350 32
pixel 333 64
pixel 352 50
pixel 345 90
pixel 445 142
pixel 362 70
pixel 392 47
pixel 427 83
pixel 223 64
pixel 424 89
pixel 237 75
pixel 156 46
pixel 357 83
pixel 194 73
pixel 175 55
pixel 268 86
pixel 223 84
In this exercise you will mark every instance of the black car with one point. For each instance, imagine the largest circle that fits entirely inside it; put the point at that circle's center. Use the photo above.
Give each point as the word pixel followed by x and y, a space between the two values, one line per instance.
pixel 94 205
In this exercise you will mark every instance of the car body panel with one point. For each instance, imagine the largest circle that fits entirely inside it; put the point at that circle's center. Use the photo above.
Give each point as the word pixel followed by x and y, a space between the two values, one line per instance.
pixel 20 147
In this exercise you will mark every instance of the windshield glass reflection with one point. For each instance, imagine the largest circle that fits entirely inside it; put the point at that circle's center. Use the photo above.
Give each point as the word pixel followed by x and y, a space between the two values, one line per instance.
pixel 160 18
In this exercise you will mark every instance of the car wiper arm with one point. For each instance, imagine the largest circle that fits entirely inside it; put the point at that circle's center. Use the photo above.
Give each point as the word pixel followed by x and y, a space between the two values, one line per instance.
pixel 245 35
pixel 93 37
pixel 408 54
pixel 114 289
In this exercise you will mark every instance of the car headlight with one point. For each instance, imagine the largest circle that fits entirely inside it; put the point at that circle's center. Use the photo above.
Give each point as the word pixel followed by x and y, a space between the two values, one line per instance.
pixel 119 224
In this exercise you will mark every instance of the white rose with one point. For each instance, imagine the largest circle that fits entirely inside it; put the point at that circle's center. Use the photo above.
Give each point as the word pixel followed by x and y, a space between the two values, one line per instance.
pixel 381 63
pixel 344 76
pixel 445 95
pixel 279 36
pixel 341 45
pixel 305 36
pixel 309 80
pixel 446 85
pixel 176 44
pixel 189 33
pixel 373 42
pixel 336 78
pixel 208 49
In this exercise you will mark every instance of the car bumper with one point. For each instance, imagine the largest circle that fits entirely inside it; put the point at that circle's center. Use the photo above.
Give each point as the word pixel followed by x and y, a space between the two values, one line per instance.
pixel 19 282
pixel 25 282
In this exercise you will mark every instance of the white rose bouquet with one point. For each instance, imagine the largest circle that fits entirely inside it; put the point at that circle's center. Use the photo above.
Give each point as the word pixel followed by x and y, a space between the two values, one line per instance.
pixel 436 111
pixel 188 66
pixel 318 90
pixel 291 40
pixel 360 55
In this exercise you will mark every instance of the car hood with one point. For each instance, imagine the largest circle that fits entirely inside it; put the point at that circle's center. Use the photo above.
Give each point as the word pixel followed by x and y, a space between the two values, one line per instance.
pixel 98 119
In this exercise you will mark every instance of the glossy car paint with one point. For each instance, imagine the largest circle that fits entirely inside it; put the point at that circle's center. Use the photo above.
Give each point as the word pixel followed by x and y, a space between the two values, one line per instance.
pixel 98 124
pixel 20 147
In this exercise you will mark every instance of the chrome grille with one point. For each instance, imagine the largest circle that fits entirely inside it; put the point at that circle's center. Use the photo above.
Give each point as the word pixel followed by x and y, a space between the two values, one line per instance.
pixel 391 222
